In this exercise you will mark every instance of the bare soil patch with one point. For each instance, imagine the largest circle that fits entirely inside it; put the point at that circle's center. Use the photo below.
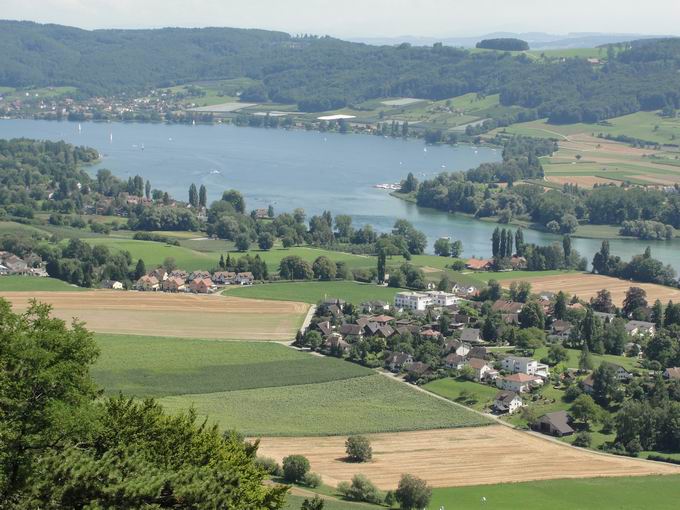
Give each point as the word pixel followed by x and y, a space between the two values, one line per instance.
pixel 586 286
pixel 458 457
pixel 177 315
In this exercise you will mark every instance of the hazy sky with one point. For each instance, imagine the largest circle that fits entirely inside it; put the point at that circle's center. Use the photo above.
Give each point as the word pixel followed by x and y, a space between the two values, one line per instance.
pixel 364 18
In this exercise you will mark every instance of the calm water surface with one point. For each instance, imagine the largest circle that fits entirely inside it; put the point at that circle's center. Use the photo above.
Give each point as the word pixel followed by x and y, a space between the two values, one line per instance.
pixel 308 169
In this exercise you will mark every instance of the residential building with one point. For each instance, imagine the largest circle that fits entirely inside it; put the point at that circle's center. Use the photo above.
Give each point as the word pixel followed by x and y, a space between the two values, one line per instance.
pixel 412 300
pixel 224 277
pixel 455 361
pixel 398 360
pixel 479 264
pixel 470 335
pixel 111 284
pixel 458 347
pixel 519 383
pixel 518 364
pixel 334 342
pixel 440 298
pixel 173 284
pixel 507 307
pixel 507 402
pixel 245 278
pixel 201 286
pixel 147 283
pixel 480 367
pixel 639 328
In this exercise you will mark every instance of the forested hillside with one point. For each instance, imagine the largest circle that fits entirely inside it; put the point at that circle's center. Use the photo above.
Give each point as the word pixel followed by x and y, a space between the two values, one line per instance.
pixel 325 73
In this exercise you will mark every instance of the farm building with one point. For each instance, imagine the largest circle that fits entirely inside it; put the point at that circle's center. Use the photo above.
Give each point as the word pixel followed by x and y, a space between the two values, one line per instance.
pixel 555 424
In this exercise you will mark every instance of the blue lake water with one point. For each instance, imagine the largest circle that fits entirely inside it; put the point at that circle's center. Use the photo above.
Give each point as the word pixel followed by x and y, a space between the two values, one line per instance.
pixel 308 169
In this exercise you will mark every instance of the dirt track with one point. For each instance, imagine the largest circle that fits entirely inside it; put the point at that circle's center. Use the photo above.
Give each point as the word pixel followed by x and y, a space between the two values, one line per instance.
pixel 179 315
pixel 457 457
pixel 586 286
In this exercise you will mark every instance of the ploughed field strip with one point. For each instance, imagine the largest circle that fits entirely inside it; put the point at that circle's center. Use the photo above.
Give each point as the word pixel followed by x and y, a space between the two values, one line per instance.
pixel 460 457
pixel 177 315
pixel 586 285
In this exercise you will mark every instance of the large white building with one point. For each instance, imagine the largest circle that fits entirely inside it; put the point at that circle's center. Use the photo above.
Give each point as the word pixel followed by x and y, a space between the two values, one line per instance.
pixel 412 300
pixel 520 365
pixel 421 300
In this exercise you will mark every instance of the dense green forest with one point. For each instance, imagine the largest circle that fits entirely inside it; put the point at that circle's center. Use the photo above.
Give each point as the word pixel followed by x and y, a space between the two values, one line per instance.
pixel 323 73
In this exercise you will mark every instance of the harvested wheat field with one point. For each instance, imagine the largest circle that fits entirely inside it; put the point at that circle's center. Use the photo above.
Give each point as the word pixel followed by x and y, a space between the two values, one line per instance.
pixel 457 457
pixel 587 285
pixel 177 315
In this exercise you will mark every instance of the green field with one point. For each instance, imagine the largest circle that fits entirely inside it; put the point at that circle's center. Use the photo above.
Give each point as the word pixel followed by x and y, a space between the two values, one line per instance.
pixel 628 493
pixel 574 354
pixel 647 126
pixel 273 257
pixel 478 396
pixel 359 405
pixel 313 292
pixel 156 367
pixel 34 284
pixel 295 502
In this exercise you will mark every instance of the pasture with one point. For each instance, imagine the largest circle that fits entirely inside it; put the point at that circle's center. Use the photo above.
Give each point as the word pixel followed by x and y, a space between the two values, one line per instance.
pixel 33 284
pixel 176 315
pixel 629 493
pixel 363 405
pixel 162 366
pixel 313 292
pixel 586 285
pixel 469 393
pixel 460 457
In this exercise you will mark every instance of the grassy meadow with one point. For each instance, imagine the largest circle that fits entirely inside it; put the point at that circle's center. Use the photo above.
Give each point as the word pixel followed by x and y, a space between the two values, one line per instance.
pixel 627 493
pixel 469 393
pixel 313 292
pixel 359 405
pixel 33 284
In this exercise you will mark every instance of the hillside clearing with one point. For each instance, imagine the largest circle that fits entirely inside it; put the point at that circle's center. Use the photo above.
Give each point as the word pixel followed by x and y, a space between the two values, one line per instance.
pixel 176 315
pixel 460 457
pixel 313 292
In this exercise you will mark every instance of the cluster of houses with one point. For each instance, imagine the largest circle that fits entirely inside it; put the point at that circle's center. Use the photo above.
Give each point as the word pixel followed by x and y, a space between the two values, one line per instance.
pixel 198 282
pixel 30 265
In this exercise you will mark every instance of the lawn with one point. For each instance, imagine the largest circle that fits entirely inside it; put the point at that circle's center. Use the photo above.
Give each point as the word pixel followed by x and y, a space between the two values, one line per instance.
pixel 625 493
pixel 313 292
pixel 273 257
pixel 154 253
pixel 352 406
pixel 32 284
pixel 155 366
pixel 295 502
pixel 574 354
pixel 476 395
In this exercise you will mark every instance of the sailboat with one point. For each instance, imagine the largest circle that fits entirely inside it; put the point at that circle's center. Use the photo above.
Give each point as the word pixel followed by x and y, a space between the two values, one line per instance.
pixel 111 137
pixel 80 128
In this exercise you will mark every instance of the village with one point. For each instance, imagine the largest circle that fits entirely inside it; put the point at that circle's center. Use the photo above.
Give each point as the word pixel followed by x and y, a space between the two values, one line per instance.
pixel 428 336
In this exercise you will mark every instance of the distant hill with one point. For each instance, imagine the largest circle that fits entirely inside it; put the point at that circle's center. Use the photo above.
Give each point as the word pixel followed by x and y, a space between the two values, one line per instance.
pixel 537 40
pixel 323 73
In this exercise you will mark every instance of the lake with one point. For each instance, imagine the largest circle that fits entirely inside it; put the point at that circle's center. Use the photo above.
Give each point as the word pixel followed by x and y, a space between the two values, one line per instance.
pixel 308 169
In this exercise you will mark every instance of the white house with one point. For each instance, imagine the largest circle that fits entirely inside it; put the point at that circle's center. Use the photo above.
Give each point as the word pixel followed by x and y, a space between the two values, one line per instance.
pixel 639 328
pixel 519 383
pixel 521 365
pixel 481 368
pixel 412 300
pixel 441 298
pixel 507 402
